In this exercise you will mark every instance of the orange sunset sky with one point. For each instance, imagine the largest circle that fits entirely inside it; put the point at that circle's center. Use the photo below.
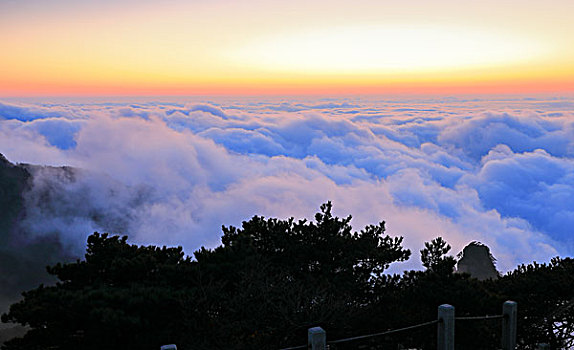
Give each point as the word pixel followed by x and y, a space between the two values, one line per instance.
pixel 183 47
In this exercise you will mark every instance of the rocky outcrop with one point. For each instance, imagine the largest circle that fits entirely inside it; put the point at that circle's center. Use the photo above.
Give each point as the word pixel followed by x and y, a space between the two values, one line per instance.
pixel 476 260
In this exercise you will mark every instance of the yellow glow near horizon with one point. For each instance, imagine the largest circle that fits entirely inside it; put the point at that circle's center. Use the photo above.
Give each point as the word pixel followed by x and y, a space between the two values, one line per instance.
pixel 254 46
pixel 384 49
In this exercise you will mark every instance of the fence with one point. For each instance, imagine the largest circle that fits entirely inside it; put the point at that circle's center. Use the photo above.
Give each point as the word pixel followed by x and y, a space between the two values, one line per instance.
pixel 317 337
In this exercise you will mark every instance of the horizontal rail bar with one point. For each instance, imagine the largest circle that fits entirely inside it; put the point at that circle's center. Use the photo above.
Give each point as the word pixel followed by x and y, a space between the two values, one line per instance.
pixel 472 318
pixel 383 333
pixel 295 347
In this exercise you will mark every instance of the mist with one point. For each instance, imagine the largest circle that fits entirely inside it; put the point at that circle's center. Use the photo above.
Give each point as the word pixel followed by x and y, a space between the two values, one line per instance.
pixel 171 173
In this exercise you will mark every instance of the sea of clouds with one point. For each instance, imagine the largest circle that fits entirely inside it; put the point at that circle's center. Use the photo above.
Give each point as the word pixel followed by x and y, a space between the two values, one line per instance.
pixel 500 171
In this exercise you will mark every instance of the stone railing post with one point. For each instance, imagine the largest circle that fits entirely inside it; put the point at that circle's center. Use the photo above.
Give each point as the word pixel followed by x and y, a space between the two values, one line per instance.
pixel 445 340
pixel 509 320
pixel 317 339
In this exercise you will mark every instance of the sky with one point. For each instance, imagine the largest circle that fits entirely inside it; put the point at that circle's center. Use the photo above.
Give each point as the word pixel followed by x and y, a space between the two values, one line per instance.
pixel 256 47
pixel 171 172
pixel 444 118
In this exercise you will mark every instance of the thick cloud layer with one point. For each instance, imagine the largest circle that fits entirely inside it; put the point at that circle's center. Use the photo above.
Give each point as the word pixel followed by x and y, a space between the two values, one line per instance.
pixel 501 172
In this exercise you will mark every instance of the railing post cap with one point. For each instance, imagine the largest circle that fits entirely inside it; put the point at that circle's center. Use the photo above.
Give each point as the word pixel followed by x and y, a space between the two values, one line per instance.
pixel 316 330
pixel 510 302
pixel 446 306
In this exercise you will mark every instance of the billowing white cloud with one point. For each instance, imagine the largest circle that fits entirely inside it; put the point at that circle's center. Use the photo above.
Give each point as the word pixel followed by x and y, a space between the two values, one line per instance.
pixel 172 173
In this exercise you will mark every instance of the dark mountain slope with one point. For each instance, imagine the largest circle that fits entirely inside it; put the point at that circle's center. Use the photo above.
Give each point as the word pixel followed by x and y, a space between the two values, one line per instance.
pixel 23 257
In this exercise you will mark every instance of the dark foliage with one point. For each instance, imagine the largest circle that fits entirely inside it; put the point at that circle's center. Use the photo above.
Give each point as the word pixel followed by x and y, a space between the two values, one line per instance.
pixel 272 279
pixel 545 295
pixel 433 257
